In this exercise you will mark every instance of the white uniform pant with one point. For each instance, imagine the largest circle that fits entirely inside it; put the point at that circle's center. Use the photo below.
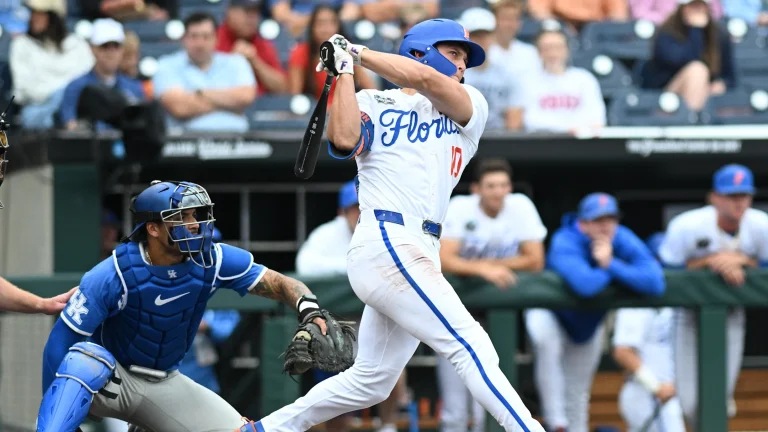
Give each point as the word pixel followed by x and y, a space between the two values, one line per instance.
pixel 638 408
pixel 395 270
pixel 458 403
pixel 686 352
pixel 563 370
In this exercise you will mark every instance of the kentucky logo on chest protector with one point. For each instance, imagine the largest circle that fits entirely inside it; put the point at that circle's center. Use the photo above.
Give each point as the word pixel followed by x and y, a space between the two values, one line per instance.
pixel 164 307
pixel 409 122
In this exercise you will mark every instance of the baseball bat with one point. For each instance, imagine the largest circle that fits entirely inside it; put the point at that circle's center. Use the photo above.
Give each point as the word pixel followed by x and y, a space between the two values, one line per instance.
pixel 649 421
pixel 309 150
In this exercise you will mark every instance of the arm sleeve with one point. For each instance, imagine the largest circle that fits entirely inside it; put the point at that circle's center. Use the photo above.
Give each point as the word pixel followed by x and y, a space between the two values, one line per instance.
pixel 315 257
pixel 569 262
pixel 367 129
pixel 673 251
pixel 476 125
pixel 673 53
pixel 99 297
pixel 455 220
pixel 640 272
pixel 68 111
pixel 237 270
pixel 242 72
pixel 165 78
pixel 60 340
pixel 221 323
pixel 631 324
pixel 531 227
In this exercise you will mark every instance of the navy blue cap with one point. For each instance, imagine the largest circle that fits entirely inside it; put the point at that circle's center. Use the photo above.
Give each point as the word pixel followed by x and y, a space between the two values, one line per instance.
pixel 734 179
pixel 348 195
pixel 597 205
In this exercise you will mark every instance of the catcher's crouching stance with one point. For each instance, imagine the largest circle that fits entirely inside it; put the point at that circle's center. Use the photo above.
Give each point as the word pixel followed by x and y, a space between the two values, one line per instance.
pixel 143 305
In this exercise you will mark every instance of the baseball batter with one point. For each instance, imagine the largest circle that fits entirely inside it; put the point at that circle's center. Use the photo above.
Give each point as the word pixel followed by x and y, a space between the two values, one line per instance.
pixel 725 237
pixel 642 345
pixel 116 348
pixel 411 146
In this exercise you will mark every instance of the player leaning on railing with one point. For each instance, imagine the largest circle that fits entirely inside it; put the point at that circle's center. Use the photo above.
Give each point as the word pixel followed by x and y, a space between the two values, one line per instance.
pixel 13 298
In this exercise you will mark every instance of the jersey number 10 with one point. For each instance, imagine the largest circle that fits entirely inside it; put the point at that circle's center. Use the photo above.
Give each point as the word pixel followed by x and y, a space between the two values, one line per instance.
pixel 455 161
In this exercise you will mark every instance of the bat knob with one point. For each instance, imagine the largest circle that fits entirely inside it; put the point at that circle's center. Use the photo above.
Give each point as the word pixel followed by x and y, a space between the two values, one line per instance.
pixel 327 50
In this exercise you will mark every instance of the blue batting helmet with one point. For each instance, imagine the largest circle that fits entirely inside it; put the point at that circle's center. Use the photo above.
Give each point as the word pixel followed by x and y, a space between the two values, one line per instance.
pixel 164 202
pixel 425 35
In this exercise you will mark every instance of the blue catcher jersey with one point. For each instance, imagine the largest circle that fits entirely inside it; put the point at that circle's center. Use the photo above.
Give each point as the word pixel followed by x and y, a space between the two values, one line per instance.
pixel 148 315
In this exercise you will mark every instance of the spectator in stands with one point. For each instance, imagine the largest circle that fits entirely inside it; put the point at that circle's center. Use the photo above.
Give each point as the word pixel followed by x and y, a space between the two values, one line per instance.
pixel 657 11
pixel 559 98
pixel 500 87
pixel 576 14
pixel 692 56
pixel 752 11
pixel 381 11
pixel 302 76
pixel 410 15
pixel 520 58
pixel 240 34
pixel 296 14
pixel 129 66
pixel 491 233
pixel 107 45
pixel 324 254
pixel 204 90
pixel 590 251
pixel 126 10
pixel 43 61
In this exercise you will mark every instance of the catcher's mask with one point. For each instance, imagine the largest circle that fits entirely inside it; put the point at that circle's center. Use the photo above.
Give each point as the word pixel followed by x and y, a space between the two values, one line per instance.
pixel 4 126
pixel 164 202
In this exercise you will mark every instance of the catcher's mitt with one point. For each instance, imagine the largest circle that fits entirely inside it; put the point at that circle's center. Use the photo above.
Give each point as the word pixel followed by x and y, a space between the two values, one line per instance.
pixel 333 352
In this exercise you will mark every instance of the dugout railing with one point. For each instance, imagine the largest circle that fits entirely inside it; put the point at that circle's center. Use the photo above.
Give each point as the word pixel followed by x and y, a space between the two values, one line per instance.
pixel 699 290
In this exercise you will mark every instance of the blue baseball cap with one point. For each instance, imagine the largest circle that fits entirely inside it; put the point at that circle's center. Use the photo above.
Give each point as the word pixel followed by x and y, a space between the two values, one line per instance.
pixel 348 195
pixel 734 179
pixel 597 205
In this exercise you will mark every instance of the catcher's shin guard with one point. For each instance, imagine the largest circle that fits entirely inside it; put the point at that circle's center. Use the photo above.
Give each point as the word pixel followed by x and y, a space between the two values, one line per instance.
pixel 85 371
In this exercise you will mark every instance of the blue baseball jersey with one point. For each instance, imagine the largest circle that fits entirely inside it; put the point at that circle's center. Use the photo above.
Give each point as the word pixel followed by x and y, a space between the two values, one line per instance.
pixel 148 315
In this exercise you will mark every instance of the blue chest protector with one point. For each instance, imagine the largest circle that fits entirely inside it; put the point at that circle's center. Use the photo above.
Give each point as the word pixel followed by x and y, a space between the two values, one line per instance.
pixel 163 307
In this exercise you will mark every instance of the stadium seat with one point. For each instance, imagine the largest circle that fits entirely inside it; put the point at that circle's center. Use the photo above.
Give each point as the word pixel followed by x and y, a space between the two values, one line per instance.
pixel 530 28
pixel 747 40
pixel 752 71
pixel 158 49
pixel 626 41
pixel 613 76
pixel 736 107
pixel 643 108
pixel 5 46
pixel 148 31
pixel 284 43
pixel 274 112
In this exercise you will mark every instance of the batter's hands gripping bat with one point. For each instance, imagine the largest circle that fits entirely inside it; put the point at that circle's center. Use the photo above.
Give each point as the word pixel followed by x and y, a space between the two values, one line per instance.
pixel 309 150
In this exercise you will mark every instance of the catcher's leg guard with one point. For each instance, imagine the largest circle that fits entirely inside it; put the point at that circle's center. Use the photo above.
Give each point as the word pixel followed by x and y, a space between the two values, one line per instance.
pixel 85 371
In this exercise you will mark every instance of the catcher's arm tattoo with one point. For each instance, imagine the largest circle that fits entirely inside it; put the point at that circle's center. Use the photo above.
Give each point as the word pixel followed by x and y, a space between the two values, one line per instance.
pixel 280 287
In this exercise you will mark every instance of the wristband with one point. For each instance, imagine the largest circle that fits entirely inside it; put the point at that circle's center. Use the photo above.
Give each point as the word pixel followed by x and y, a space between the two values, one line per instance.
pixel 647 379
pixel 306 305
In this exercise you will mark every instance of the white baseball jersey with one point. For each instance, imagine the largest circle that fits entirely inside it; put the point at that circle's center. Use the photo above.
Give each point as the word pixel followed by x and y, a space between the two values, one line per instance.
pixel 501 89
pixel 558 103
pixel 695 234
pixel 325 251
pixel 648 331
pixel 488 237
pixel 417 154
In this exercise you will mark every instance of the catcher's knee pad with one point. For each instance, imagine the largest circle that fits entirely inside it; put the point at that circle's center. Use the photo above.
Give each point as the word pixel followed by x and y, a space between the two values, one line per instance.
pixel 85 371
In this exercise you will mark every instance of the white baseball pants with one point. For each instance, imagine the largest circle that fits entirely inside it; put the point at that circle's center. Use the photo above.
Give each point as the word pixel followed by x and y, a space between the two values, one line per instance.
pixel 563 370
pixel 686 352
pixel 458 403
pixel 638 409
pixel 395 270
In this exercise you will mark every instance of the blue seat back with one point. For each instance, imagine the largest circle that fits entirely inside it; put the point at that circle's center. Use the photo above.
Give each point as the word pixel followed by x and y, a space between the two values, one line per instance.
pixel 619 40
pixel 273 112
pixel 613 76
pixel 734 107
pixel 148 31
pixel 641 108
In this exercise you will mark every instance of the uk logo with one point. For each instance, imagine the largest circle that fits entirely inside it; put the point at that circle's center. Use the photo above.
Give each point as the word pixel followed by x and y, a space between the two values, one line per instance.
pixel 77 307
pixel 172 274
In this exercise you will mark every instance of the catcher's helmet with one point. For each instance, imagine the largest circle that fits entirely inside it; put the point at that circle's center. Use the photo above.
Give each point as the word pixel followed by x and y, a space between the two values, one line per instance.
pixel 164 202
pixel 425 35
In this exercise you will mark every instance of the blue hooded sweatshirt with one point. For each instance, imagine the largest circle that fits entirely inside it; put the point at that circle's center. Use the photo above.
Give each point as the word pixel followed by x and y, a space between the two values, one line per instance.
pixel 570 256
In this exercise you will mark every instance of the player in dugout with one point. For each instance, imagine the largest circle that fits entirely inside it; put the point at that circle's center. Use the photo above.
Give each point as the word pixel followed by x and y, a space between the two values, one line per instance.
pixel 590 251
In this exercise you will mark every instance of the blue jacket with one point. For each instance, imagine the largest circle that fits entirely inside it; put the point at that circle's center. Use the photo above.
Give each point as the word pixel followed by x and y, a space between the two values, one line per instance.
pixel 670 55
pixel 570 256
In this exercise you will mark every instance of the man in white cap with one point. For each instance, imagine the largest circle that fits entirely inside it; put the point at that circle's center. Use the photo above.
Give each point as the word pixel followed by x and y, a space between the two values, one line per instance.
pixel 106 41
pixel 493 79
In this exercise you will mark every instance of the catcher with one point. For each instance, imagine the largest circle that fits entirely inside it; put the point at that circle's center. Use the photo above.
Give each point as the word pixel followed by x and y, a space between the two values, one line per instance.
pixel 115 350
